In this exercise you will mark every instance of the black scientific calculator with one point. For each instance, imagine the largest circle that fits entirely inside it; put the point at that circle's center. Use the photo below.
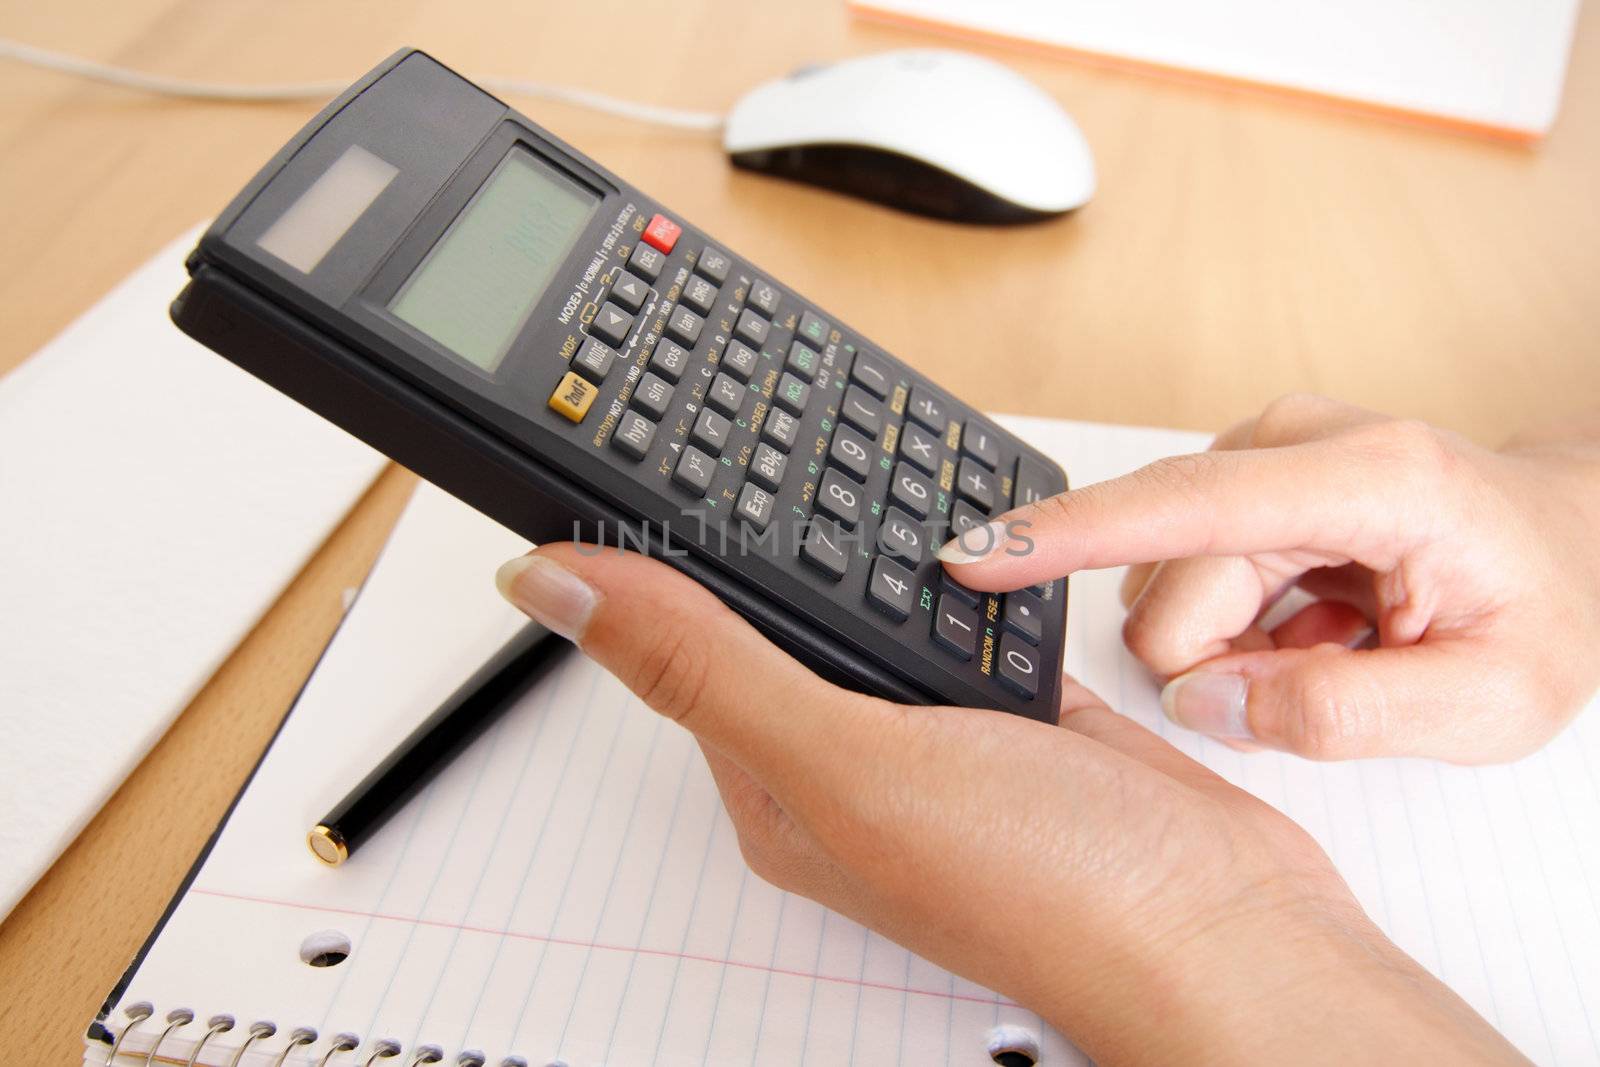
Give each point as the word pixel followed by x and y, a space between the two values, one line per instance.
pixel 438 275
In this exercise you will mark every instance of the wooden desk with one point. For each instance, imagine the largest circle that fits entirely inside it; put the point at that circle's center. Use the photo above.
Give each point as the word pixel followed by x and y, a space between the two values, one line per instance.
pixel 1240 247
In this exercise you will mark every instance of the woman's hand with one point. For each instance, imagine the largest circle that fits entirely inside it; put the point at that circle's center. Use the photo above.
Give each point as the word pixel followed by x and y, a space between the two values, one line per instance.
pixel 1143 905
pixel 1478 570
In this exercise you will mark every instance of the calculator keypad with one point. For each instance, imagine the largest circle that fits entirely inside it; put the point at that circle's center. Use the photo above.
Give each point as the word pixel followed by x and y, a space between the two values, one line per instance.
pixel 756 408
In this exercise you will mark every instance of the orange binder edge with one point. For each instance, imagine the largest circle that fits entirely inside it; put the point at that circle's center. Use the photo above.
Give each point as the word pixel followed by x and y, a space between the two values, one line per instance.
pixel 1191 76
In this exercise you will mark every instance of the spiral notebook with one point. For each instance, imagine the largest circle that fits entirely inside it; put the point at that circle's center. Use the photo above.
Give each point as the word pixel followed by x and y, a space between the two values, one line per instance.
pixel 570 890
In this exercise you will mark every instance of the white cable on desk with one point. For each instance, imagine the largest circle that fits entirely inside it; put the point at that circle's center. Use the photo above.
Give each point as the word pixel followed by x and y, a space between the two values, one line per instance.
pixel 227 91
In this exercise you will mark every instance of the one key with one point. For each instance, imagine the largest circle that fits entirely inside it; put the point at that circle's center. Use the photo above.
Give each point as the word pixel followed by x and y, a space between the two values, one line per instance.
pixel 699 294
pixel 792 394
pixel 630 291
pixel 976 484
pixel 633 435
pixel 685 325
pixel 955 626
pixel 967 596
pixel 1033 481
pixel 965 518
pixel 652 396
pixel 725 394
pixel 739 360
pixel 901 535
pixel 764 297
pixel 767 465
pixel 910 490
pixel 714 264
pixel 890 588
pixel 1024 615
pixel 873 375
pixel 927 409
pixel 611 324
pixel 646 261
pixel 823 548
pixel 839 497
pixel 694 470
pixel 781 429
pixel 573 397
pixel 663 233
pixel 861 411
pixel 813 329
pixel 755 506
pixel 1019 666
pixel 752 327
pixel 850 451
pixel 593 360
pixel 710 431
pixel 919 446
pixel 803 361
pixel 980 442
pixel 669 360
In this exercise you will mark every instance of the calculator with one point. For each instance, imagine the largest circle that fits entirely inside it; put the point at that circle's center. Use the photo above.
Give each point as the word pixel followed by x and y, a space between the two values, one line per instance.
pixel 438 275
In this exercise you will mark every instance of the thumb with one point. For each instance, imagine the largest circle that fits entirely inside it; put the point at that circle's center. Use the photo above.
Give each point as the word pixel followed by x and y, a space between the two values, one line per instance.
pixel 689 657
pixel 1331 702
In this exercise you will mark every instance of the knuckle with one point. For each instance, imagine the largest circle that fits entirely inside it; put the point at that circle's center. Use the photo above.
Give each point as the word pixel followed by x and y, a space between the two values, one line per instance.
pixel 1147 639
pixel 1328 718
pixel 673 674
pixel 1287 419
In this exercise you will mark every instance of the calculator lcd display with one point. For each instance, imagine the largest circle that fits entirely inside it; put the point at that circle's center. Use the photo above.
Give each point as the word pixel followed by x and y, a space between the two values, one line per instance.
pixel 478 284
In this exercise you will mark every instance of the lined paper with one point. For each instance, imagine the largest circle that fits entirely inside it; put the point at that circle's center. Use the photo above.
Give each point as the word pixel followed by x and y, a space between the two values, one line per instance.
pixel 571 890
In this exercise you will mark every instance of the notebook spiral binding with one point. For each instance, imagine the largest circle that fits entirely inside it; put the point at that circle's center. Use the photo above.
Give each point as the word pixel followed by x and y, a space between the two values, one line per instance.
pixel 384 1051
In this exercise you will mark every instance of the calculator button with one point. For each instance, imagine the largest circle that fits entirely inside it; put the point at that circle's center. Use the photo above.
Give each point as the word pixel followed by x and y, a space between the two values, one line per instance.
pixel 890 588
pixel 901 535
pixel 752 327
pixel 927 409
pixel 573 396
pixel 803 361
pixel 861 411
pixel 976 483
pixel 710 431
pixel 919 446
pixel 767 465
pixel 872 374
pixel 823 548
pixel 955 626
pixel 980 442
pixel 694 470
pixel 851 452
pixel 781 429
pixel 714 264
pixel 646 262
pixel 611 324
pixel 725 394
pixel 792 394
pixel 1019 666
pixel 652 396
pixel 911 490
pixel 669 360
pixel 663 233
pixel 699 294
pixel 633 435
pixel 964 518
pixel 840 497
pixel 630 291
pixel 959 591
pixel 593 360
pixel 739 360
pixel 764 297
pixel 813 329
pixel 1033 481
pixel 755 506
pixel 685 325
pixel 1024 615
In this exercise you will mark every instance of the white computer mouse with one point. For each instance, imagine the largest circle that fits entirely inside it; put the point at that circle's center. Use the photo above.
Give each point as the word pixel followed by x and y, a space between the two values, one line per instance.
pixel 929 131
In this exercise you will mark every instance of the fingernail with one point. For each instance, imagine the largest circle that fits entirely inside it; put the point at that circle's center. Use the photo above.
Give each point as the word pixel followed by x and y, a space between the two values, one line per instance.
pixel 548 593
pixel 979 542
pixel 1209 703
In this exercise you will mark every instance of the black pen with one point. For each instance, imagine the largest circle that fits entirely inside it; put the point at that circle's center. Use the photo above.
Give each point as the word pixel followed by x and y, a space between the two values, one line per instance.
pixel 492 689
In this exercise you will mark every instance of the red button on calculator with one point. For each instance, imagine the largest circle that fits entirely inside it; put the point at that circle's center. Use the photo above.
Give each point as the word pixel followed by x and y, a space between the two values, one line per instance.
pixel 663 233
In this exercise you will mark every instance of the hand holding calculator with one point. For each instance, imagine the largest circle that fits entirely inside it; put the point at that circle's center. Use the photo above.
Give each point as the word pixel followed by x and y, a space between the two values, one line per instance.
pixel 441 277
